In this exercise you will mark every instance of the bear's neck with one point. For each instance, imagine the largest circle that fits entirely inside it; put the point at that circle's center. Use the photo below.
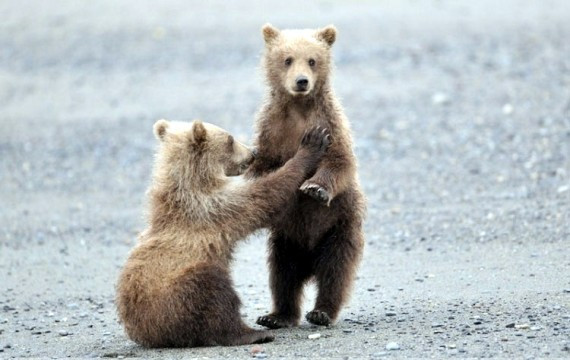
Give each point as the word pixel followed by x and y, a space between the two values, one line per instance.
pixel 179 200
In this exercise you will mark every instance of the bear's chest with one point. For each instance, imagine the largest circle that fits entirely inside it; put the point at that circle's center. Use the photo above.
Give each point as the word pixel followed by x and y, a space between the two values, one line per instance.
pixel 288 130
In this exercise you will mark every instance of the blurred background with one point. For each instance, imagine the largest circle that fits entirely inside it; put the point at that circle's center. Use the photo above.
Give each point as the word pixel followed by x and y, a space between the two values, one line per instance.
pixel 461 118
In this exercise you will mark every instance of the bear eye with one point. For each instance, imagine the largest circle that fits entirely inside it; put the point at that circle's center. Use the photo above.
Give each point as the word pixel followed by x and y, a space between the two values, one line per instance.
pixel 312 62
pixel 288 61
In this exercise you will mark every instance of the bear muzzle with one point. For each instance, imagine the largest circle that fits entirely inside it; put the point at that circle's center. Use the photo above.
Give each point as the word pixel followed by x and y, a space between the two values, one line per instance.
pixel 301 84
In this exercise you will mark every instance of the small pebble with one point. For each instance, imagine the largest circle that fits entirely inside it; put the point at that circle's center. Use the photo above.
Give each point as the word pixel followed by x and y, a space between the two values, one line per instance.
pixel 392 346
pixel 508 109
pixel 255 349
pixel 314 336
pixel 522 326
pixel 390 313
pixel 63 333
pixel 260 356
pixel 440 98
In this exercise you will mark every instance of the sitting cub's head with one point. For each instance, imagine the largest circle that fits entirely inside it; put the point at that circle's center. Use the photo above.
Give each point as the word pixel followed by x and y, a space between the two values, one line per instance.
pixel 200 151
pixel 298 61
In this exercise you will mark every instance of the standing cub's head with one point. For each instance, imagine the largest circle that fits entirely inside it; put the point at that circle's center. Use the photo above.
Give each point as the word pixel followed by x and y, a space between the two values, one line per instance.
pixel 298 61
pixel 199 153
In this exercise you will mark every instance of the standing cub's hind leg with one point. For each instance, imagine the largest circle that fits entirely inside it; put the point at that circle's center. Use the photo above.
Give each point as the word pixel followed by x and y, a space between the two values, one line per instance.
pixel 289 270
pixel 337 258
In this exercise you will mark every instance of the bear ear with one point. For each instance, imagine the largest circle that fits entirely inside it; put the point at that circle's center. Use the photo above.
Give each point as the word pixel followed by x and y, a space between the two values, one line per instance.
pixel 160 129
pixel 198 132
pixel 327 35
pixel 270 33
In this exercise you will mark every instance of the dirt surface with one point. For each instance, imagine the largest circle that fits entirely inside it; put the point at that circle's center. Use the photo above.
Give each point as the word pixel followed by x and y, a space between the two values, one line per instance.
pixel 461 118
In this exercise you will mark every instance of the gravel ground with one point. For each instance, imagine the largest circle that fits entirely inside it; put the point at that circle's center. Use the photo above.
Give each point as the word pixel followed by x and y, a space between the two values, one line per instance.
pixel 461 117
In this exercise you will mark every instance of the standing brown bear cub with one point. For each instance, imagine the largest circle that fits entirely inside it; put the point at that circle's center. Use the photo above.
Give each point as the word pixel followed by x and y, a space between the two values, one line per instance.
pixel 175 289
pixel 320 235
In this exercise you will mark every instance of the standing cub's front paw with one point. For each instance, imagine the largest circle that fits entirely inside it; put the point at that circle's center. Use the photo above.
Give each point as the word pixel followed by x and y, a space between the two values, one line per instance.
pixel 315 191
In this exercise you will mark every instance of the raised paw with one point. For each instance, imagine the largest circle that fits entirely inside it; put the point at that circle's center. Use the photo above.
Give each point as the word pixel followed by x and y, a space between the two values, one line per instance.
pixel 315 191
pixel 274 322
pixel 316 138
pixel 318 317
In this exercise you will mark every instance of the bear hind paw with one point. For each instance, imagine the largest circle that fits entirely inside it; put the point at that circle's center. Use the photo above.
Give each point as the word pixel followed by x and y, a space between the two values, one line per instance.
pixel 274 322
pixel 318 317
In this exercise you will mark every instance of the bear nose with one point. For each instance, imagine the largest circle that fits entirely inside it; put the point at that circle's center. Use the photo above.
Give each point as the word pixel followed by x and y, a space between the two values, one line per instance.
pixel 302 82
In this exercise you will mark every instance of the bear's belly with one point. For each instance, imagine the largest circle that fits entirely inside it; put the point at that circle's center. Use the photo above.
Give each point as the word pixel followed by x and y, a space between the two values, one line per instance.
pixel 308 221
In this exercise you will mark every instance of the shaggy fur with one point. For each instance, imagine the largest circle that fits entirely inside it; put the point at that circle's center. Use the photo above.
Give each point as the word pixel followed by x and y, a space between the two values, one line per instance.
pixel 321 235
pixel 175 289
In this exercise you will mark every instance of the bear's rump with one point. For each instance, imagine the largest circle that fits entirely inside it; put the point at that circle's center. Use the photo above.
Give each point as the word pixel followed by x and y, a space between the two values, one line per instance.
pixel 188 311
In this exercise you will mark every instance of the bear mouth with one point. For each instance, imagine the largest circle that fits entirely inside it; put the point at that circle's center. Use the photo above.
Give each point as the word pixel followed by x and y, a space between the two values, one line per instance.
pixel 243 167
pixel 302 91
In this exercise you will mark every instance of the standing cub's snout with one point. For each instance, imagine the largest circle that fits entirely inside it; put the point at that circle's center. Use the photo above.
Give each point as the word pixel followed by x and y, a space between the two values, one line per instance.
pixel 302 83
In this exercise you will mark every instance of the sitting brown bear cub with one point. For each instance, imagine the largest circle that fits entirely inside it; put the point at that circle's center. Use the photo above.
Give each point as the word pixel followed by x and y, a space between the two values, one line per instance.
pixel 320 236
pixel 175 289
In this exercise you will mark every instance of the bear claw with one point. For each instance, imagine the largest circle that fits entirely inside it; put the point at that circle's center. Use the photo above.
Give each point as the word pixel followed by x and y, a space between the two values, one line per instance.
pixel 273 322
pixel 318 317
pixel 317 192
pixel 264 337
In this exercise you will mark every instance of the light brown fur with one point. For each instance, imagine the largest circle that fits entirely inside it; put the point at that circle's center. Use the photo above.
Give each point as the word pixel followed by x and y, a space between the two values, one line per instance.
pixel 321 237
pixel 175 288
